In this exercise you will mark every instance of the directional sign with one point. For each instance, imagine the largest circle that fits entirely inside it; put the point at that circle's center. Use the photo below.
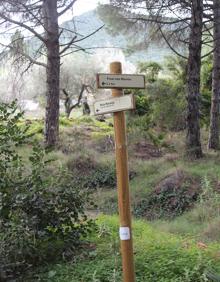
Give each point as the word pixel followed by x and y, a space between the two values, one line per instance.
pixel 114 105
pixel 120 81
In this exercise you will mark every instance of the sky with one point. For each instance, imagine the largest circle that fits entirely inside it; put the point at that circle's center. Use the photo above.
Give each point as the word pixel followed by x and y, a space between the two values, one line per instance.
pixel 82 6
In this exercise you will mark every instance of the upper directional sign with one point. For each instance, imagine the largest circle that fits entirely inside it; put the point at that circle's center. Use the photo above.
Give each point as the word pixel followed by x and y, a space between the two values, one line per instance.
pixel 120 81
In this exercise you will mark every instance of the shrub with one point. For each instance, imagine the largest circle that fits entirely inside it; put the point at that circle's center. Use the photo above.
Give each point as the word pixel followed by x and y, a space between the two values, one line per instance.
pixel 151 70
pixel 85 119
pixel 88 173
pixel 142 103
pixel 42 217
pixel 36 127
pixel 169 104
pixel 65 121
pixel 173 195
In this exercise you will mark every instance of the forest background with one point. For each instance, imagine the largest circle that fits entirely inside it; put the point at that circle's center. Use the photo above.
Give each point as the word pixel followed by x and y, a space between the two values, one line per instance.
pixel 57 161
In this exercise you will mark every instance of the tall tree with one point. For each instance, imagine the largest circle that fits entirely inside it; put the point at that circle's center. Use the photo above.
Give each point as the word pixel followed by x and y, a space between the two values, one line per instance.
pixel 193 144
pixel 214 115
pixel 40 19
pixel 50 23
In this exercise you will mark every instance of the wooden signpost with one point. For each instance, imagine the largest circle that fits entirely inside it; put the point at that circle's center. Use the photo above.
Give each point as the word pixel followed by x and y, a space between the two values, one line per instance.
pixel 118 104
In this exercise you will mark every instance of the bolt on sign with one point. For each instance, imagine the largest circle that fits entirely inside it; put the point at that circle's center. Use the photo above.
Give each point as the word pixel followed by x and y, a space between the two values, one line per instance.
pixel 117 105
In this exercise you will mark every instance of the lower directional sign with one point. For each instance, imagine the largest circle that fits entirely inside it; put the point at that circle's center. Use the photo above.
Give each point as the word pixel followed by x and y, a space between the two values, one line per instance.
pixel 114 105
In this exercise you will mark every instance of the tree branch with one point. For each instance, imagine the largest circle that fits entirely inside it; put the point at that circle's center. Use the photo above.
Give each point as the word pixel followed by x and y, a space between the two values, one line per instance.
pixel 24 26
pixel 67 8
pixel 158 21
pixel 170 46
pixel 83 88
pixel 33 61
pixel 73 41
pixel 90 34
pixel 68 45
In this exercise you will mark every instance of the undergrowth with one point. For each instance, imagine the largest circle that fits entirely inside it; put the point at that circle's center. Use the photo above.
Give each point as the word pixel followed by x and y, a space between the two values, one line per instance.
pixel 159 257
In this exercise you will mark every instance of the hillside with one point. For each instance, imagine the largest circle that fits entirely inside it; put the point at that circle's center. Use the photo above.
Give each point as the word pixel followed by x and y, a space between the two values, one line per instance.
pixel 88 22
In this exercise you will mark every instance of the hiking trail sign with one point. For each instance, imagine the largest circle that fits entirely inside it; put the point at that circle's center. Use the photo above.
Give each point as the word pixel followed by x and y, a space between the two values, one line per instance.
pixel 120 81
pixel 117 105
pixel 114 105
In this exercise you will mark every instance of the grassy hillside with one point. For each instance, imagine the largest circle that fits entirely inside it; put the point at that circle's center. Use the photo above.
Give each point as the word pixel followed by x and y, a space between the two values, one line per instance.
pixel 63 203
pixel 86 147
pixel 171 244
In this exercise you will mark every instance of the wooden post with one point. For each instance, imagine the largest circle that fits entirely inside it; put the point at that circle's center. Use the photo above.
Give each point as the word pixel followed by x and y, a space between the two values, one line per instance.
pixel 123 185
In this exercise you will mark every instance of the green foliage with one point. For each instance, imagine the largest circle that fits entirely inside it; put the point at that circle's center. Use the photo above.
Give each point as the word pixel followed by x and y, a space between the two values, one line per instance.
pixel 165 98
pixel 205 107
pixel 169 104
pixel 142 124
pixel 64 121
pixel 206 89
pixel 159 257
pixel 35 128
pixel 150 69
pixel 177 68
pixel 116 24
pixel 206 73
pixel 42 216
pixel 85 119
pixel 163 101
pixel 174 194
pixel 88 173
pixel 142 103
pixel 11 134
pixel 208 206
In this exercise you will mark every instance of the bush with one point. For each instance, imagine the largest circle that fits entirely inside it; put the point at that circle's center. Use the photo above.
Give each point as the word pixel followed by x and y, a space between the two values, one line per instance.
pixel 173 195
pixel 142 103
pixel 36 127
pixel 42 217
pixel 64 121
pixel 88 173
pixel 169 104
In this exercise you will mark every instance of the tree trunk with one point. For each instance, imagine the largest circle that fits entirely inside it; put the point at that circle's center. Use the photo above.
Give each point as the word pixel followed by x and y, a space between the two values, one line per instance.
pixel 53 72
pixel 193 144
pixel 68 111
pixel 214 114
pixel 68 105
